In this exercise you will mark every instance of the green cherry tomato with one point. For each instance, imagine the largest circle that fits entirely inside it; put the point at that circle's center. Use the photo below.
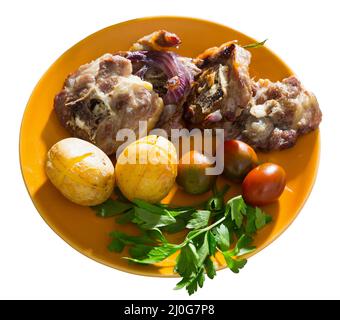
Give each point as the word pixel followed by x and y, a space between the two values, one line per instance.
pixel 264 184
pixel 191 174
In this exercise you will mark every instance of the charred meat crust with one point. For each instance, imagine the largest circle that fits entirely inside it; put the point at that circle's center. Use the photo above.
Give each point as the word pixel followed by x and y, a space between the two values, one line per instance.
pixel 223 89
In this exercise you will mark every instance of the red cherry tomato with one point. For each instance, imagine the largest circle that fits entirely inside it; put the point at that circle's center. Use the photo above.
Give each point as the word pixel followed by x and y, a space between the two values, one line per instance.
pixel 239 159
pixel 264 184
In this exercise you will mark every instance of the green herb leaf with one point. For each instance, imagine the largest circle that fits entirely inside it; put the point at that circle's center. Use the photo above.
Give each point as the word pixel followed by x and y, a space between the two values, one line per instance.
pixel 243 242
pixel 260 218
pixel 157 235
pixel 183 283
pixel 187 261
pixel 255 45
pixel 238 209
pixel 127 239
pixel 148 220
pixel 192 283
pixel 150 207
pixel 222 236
pixel 183 212
pixel 234 264
pixel 250 227
pixel 120 240
pixel 256 219
pixel 126 217
pixel 216 203
pixel 210 268
pixel 268 218
pixel 111 208
pixel 200 218
pixel 157 254
pixel 182 217
pixel 203 249
pixel 242 246
pixel 244 251
pixel 139 251
pixel 201 278
pixel 212 243
pixel 116 245
pixel 178 226
pixel 195 282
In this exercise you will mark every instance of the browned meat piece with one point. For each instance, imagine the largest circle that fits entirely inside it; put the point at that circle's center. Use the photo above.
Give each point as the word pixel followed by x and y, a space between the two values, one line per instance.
pixel 155 84
pixel 172 116
pixel 222 90
pixel 158 40
pixel 102 97
pixel 215 55
pixel 278 114
pixel 268 116
pixel 171 76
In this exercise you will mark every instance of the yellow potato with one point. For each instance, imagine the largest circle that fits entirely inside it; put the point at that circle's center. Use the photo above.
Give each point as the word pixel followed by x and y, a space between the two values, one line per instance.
pixel 147 169
pixel 82 172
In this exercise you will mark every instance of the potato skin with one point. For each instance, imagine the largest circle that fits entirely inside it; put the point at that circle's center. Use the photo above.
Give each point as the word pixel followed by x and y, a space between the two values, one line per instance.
pixel 152 179
pixel 80 171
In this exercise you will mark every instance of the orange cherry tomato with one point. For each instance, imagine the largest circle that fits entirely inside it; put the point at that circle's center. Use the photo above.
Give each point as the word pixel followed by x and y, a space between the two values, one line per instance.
pixel 239 159
pixel 264 184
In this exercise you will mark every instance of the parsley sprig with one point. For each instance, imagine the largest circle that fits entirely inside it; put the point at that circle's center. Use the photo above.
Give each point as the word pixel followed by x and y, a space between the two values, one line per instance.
pixel 146 215
pixel 215 227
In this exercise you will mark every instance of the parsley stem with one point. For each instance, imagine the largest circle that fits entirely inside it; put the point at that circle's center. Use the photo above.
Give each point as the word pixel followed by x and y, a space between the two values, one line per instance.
pixel 255 45
pixel 179 212
pixel 205 229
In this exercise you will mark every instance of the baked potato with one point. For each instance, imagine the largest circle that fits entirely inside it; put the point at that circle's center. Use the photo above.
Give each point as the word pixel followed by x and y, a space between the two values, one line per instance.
pixel 80 171
pixel 147 169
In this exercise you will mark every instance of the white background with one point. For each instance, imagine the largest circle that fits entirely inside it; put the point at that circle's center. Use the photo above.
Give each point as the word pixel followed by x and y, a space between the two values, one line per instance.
pixel 35 263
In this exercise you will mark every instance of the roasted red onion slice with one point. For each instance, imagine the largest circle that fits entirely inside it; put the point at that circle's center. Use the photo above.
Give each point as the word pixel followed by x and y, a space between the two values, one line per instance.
pixel 179 77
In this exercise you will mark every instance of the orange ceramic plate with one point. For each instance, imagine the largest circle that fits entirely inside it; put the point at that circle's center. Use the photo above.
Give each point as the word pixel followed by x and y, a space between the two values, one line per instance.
pixel 40 129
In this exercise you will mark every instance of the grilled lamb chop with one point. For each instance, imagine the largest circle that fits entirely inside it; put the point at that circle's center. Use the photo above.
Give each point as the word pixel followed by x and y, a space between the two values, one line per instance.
pixel 278 114
pixel 102 97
